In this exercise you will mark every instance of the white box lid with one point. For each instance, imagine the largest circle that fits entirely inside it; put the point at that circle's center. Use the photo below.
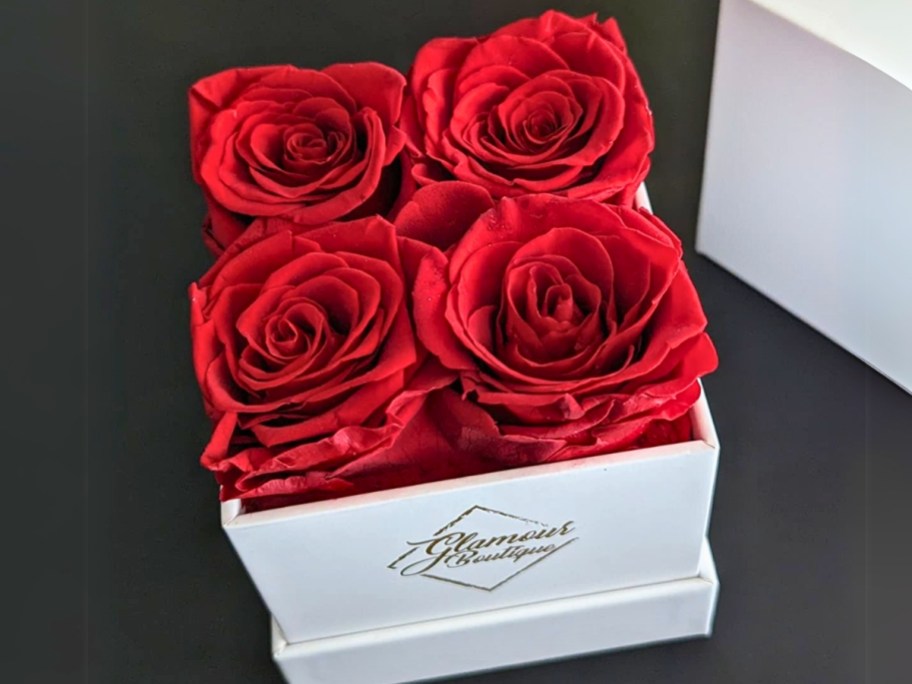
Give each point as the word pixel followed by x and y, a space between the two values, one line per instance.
pixel 876 31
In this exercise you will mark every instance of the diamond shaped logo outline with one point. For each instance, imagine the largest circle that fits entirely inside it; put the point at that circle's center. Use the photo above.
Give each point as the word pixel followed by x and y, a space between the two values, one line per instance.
pixel 564 529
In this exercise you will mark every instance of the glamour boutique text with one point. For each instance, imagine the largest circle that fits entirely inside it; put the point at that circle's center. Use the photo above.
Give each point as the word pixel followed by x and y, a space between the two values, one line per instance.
pixel 458 549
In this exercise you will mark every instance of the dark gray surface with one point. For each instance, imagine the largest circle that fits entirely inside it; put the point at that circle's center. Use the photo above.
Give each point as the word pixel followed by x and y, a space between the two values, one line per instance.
pixel 169 600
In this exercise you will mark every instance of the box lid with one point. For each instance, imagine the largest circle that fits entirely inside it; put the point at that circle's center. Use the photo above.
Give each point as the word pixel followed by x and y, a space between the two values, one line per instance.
pixel 876 31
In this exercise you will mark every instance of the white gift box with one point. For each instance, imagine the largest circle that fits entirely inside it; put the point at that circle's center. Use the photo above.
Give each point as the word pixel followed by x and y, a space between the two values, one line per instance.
pixel 416 582
pixel 509 636
pixel 808 165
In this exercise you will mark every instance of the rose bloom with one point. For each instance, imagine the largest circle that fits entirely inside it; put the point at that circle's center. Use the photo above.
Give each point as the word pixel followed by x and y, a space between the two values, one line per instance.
pixel 551 104
pixel 311 146
pixel 573 326
pixel 304 348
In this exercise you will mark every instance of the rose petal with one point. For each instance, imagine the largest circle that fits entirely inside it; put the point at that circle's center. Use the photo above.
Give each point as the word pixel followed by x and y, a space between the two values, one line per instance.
pixel 372 85
pixel 440 214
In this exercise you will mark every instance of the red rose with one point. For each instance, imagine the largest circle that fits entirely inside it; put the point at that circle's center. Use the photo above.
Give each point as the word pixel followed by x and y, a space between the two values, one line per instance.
pixel 420 453
pixel 439 214
pixel 304 349
pixel 573 325
pixel 551 104
pixel 311 146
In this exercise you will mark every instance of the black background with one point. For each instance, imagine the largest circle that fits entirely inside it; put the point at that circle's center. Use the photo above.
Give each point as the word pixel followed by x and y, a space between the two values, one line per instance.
pixel 801 421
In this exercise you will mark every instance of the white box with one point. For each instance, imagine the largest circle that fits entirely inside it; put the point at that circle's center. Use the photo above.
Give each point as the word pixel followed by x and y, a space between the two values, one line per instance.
pixel 510 636
pixel 576 527
pixel 808 167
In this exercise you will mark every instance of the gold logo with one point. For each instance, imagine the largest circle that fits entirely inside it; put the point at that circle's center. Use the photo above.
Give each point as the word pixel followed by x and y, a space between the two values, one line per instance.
pixel 483 548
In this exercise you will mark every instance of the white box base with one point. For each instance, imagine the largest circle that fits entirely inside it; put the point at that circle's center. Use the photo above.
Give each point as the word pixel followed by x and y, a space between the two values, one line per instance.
pixel 507 637
pixel 351 565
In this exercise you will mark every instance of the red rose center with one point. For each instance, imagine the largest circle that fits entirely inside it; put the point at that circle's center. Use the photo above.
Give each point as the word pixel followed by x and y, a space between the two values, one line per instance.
pixel 538 123
pixel 558 305
pixel 296 331
pixel 549 311
pixel 307 142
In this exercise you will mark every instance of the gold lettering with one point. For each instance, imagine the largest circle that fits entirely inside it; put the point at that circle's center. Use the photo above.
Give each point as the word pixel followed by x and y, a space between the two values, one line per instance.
pixel 503 539
pixel 458 560
pixel 457 549
pixel 446 539
pixel 432 555
pixel 466 540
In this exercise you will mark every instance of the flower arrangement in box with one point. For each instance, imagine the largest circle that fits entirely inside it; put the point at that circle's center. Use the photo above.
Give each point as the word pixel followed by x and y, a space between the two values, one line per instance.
pixel 436 275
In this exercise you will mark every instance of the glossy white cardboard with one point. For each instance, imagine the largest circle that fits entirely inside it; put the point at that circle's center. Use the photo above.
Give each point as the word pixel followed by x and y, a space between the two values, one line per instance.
pixel 876 31
pixel 494 639
pixel 482 543
pixel 807 166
